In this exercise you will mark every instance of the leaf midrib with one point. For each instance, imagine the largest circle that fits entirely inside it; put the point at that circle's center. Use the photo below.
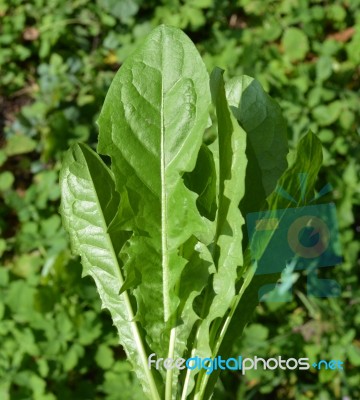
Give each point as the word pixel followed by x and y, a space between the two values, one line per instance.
pixel 129 310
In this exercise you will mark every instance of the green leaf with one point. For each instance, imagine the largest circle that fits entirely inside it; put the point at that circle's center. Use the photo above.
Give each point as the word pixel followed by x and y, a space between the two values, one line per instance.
pixel 20 299
pixel 121 9
pixel 202 180
pixel 104 357
pixel 308 160
pixel 2 250
pixel 295 43
pixel 19 144
pixel 229 152
pixel 324 68
pixel 327 115
pixel 3 157
pixel 6 180
pixel 353 353
pixel 89 203
pixel 151 125
pixel 119 381
pixel 266 145
pixel 72 356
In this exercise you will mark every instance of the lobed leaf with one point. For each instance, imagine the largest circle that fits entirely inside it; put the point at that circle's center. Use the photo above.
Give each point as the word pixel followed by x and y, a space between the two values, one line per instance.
pixel 229 153
pixel 89 203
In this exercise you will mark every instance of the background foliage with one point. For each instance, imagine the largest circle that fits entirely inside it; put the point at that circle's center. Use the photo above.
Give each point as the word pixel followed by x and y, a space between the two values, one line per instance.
pixel 57 59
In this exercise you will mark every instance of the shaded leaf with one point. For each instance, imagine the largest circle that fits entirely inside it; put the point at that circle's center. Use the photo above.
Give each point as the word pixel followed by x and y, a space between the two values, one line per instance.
pixel 266 146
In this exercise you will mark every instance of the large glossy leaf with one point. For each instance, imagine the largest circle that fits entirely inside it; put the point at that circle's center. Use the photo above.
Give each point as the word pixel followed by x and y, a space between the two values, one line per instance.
pixel 88 205
pixel 152 125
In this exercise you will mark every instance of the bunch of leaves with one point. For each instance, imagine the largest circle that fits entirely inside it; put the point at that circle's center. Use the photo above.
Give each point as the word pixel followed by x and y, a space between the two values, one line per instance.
pixel 160 231
pixel 57 60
